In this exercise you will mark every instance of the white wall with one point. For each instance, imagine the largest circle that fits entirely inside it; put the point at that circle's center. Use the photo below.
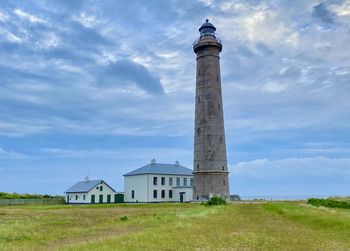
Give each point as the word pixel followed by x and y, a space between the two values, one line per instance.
pixel 72 198
pixel 187 193
pixel 105 191
pixel 143 187
pixel 138 184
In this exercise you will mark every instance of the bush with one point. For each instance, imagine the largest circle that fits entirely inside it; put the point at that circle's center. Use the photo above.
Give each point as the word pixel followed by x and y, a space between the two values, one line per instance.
pixel 329 203
pixel 4 195
pixel 215 200
pixel 124 218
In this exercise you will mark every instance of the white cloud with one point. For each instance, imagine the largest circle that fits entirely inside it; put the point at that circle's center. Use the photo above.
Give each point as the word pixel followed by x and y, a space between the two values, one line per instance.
pixel 274 87
pixel 48 41
pixel 87 20
pixel 293 167
pixel 3 17
pixel 341 10
pixel 4 154
pixel 10 36
pixel 27 16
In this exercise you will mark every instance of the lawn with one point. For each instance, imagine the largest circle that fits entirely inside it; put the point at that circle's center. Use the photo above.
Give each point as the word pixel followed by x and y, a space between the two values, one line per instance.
pixel 259 226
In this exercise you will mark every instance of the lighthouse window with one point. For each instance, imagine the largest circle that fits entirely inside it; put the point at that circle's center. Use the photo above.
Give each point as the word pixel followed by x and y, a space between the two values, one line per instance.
pixel 223 168
pixel 197 166
pixel 198 131
pixel 199 99
pixel 220 138
pixel 219 107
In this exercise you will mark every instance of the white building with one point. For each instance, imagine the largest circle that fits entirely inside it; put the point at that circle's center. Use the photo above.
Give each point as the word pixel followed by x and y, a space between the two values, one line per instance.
pixel 157 182
pixel 92 191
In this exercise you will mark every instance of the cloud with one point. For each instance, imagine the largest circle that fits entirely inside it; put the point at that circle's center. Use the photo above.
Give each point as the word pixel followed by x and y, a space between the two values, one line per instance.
pixel 5 154
pixel 126 72
pixel 322 13
pixel 27 16
pixel 293 167
pixel 291 176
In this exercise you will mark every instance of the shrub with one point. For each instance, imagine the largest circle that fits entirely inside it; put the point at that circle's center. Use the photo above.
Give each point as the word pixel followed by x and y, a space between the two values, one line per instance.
pixel 215 200
pixel 329 203
pixel 124 218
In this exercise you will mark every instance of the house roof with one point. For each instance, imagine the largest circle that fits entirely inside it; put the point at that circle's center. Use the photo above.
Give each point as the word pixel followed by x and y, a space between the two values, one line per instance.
pixel 158 168
pixel 85 186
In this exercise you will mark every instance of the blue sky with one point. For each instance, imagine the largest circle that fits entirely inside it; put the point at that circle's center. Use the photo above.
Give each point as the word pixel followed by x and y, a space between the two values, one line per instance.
pixel 100 88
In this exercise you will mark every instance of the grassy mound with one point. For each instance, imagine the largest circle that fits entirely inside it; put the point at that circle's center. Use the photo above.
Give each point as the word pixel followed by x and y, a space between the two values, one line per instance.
pixel 329 203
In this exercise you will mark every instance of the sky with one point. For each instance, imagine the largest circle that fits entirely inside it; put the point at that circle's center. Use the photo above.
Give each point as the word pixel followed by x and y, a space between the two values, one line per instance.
pixel 99 88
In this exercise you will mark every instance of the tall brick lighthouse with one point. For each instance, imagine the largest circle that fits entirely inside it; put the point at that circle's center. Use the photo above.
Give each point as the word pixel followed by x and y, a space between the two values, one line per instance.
pixel 210 163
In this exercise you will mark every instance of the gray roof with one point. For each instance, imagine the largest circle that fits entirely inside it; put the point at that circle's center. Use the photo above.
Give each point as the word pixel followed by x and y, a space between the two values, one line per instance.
pixel 85 186
pixel 157 168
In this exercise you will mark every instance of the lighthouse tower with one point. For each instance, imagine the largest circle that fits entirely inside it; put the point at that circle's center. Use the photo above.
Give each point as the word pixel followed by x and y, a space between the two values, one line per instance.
pixel 210 163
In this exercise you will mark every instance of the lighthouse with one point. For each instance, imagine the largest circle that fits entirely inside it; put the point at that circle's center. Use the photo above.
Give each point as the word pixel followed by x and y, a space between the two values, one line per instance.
pixel 210 170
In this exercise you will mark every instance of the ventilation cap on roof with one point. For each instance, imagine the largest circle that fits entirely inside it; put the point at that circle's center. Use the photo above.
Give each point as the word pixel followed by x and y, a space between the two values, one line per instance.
pixel 177 163
pixel 153 161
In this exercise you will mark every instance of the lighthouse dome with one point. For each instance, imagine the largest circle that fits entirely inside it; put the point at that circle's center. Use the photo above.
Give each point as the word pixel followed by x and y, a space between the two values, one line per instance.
pixel 207 29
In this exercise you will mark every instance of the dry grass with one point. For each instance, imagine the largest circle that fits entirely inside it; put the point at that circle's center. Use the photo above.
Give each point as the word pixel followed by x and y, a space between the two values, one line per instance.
pixel 266 226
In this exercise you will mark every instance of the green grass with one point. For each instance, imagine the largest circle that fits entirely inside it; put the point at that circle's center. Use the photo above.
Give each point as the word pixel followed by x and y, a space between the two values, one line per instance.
pixel 259 226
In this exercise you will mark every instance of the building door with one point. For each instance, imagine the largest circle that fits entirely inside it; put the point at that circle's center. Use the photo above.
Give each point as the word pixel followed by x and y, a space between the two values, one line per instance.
pixel 67 198
pixel 93 199
pixel 182 197
pixel 118 198
pixel 100 199
pixel 108 198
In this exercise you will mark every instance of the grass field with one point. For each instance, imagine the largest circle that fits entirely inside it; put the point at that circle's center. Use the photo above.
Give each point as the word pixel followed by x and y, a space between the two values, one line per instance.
pixel 260 226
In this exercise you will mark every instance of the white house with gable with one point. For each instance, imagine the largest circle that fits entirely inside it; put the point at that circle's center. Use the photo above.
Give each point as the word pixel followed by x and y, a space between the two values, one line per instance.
pixel 158 182
pixel 92 191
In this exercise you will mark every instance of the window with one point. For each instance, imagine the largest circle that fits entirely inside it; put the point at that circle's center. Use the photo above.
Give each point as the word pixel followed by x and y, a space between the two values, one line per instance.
pixel 197 166
pixel 132 194
pixel 84 197
pixel 163 181
pixel 155 194
pixel 198 131
pixel 163 194
pixel 178 181
pixel 191 182
pixel 76 197
pixel 223 168
pixel 199 99
pixel 185 181
pixel 170 181
pixel 97 187
pixel 101 188
pixel 155 181
pixel 170 193
pixel 219 107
